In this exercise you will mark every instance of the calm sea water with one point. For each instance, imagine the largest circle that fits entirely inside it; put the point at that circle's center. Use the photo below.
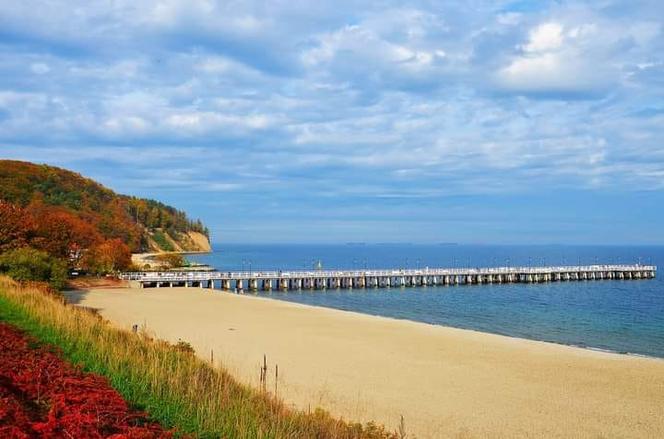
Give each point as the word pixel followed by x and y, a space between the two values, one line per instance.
pixel 621 316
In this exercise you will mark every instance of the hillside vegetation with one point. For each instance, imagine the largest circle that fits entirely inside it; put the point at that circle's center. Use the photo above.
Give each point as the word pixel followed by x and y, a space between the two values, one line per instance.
pixel 48 194
pixel 52 220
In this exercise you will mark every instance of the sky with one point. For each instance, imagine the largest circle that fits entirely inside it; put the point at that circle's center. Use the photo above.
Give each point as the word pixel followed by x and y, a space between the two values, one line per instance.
pixel 469 121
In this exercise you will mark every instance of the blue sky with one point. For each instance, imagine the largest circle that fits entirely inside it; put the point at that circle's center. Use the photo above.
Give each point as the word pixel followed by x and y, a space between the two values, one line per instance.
pixel 470 121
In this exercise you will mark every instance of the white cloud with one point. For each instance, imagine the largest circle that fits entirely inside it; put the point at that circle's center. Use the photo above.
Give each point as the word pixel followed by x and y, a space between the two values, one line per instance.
pixel 375 86
pixel 551 73
pixel 559 60
pixel 201 122
pixel 216 65
pixel 396 49
pixel 124 69
pixel 545 37
pixel 40 68
pixel 129 124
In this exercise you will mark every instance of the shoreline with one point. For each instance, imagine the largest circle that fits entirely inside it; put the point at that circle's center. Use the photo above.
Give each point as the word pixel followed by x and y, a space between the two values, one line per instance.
pixel 143 258
pixel 593 349
pixel 497 334
pixel 445 381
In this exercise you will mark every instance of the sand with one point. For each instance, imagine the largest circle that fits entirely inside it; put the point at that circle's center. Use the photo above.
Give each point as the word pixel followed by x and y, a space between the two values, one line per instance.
pixel 445 382
pixel 140 259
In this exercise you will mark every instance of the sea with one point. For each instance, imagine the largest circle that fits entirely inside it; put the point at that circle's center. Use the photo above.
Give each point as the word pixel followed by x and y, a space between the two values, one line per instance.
pixel 619 316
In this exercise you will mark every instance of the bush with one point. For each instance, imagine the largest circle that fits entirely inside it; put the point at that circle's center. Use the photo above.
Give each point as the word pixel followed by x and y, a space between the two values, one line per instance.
pixel 28 264
pixel 185 347
pixel 171 260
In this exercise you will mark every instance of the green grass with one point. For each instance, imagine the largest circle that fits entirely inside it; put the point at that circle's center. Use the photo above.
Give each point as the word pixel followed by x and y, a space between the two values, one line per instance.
pixel 161 240
pixel 173 386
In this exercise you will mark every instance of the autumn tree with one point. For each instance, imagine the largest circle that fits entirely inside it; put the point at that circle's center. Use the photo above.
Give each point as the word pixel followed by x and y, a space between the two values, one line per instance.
pixel 61 233
pixel 116 222
pixel 16 227
pixel 110 256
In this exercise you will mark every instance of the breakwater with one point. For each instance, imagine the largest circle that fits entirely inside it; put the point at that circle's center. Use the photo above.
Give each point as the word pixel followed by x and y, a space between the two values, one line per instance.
pixel 387 278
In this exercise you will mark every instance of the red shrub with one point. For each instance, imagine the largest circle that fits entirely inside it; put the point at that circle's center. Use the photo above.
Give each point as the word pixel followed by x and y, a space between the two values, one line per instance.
pixel 43 396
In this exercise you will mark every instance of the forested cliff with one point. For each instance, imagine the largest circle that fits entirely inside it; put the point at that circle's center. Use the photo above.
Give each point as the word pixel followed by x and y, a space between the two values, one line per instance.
pixel 70 216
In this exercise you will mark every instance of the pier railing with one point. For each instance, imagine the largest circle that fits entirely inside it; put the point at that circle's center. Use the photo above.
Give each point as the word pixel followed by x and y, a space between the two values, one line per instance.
pixel 323 279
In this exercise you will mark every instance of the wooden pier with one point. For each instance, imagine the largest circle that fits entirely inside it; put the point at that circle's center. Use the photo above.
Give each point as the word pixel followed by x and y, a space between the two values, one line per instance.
pixel 357 279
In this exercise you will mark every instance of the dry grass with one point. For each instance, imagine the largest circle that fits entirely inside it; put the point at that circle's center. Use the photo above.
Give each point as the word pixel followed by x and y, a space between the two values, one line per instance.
pixel 175 387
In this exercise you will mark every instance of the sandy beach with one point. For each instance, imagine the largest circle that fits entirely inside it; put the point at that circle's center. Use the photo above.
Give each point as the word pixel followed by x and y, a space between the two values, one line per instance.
pixel 140 259
pixel 445 382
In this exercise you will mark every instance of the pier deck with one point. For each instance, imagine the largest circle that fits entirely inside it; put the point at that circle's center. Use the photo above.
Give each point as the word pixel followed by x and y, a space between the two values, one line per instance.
pixel 333 279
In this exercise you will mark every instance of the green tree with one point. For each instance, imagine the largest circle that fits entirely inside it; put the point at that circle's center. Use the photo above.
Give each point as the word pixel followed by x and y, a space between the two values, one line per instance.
pixel 28 264
pixel 171 260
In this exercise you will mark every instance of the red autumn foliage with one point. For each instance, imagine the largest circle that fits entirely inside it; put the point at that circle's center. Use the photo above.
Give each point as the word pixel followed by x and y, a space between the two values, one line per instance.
pixel 111 215
pixel 42 396
pixel 49 228
pixel 17 229
pixel 111 255
pixel 61 233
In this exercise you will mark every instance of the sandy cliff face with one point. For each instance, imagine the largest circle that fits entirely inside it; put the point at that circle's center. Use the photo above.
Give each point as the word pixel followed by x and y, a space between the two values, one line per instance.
pixel 183 242
pixel 201 241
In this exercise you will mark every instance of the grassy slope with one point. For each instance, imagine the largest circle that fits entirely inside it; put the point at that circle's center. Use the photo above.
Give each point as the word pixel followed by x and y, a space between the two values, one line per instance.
pixel 175 387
